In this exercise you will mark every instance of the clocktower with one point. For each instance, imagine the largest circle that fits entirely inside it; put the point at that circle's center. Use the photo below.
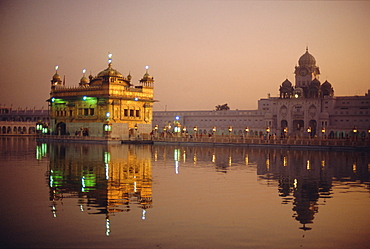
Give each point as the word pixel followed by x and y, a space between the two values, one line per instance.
pixel 306 71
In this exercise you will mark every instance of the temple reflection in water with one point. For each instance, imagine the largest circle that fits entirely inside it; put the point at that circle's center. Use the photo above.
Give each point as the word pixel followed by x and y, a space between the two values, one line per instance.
pixel 108 179
pixel 105 179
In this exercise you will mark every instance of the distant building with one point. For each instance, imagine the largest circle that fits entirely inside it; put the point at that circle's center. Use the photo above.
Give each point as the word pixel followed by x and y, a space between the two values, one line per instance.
pixel 15 121
pixel 307 108
pixel 107 105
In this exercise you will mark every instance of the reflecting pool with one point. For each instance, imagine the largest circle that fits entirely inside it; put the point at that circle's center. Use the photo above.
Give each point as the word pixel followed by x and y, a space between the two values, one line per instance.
pixel 148 196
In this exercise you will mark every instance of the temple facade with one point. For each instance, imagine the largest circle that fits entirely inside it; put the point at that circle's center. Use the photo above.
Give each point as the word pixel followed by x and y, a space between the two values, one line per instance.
pixel 106 105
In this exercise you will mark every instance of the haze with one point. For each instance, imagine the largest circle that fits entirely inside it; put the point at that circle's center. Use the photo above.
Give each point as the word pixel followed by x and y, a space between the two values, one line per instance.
pixel 201 53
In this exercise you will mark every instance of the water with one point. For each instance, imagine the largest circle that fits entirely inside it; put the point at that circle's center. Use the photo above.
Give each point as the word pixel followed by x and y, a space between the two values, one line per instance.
pixel 143 196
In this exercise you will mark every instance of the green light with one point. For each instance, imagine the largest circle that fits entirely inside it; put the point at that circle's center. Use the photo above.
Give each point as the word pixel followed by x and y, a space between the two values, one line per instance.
pixel 88 182
pixel 56 178
pixel 107 127
pixel 53 100
pixel 176 154
pixel 106 157
pixel 41 151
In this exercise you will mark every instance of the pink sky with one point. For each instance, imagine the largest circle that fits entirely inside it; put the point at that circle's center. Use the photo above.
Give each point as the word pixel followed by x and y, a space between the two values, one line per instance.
pixel 201 53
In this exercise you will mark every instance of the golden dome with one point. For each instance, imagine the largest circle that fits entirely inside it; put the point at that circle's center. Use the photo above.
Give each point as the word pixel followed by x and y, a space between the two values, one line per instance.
pixel 109 72
pixel 84 80
pixel 56 77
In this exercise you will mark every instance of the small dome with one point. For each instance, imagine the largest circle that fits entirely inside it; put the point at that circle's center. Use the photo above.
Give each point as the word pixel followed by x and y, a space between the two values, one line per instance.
pixel 315 83
pixel 307 60
pixel 147 76
pixel 326 84
pixel 110 72
pixel 84 80
pixel 56 77
pixel 286 83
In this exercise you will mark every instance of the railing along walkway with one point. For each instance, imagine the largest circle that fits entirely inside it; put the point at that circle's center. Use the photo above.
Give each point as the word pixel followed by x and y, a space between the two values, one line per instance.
pixel 258 141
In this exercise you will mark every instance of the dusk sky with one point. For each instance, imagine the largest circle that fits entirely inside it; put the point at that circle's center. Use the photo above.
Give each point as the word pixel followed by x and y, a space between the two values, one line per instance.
pixel 201 53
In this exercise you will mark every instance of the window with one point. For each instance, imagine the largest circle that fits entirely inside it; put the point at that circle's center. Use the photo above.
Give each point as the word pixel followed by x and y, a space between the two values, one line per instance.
pixel 92 111
pixel 86 111
pixel 137 113
pixel 70 113
pixel 131 113
pixel 125 112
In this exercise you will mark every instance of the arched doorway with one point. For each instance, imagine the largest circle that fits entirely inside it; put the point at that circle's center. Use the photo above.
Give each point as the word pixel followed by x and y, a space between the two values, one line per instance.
pixel 313 125
pixel 283 125
pixel 60 129
pixel 298 126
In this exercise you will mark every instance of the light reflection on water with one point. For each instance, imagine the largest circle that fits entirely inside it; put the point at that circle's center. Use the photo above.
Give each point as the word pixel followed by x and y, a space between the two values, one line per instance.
pixel 136 196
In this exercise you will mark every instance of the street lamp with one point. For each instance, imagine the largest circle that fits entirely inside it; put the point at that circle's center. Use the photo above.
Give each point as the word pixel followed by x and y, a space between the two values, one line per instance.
pixel 285 131
pixel 214 130
pixel 268 131
pixel 323 132
pixel 135 127
pixel 355 132
pixel 246 131
pixel 230 130
pixel 309 132
pixel 195 130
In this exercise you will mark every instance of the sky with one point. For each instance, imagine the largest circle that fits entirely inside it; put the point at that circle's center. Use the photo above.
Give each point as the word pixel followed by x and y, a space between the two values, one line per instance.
pixel 201 53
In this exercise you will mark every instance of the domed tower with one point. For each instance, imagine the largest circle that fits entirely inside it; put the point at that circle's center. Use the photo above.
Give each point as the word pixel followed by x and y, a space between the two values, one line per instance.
pixel 111 76
pixel 147 80
pixel 326 89
pixel 286 90
pixel 84 81
pixel 314 89
pixel 306 71
pixel 56 81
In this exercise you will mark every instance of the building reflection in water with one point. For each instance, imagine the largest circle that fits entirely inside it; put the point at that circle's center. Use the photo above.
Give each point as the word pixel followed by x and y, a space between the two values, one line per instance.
pixel 301 177
pixel 109 179
pixel 106 179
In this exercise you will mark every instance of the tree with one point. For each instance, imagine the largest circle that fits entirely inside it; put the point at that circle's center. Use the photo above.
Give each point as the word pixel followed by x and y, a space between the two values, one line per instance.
pixel 223 107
